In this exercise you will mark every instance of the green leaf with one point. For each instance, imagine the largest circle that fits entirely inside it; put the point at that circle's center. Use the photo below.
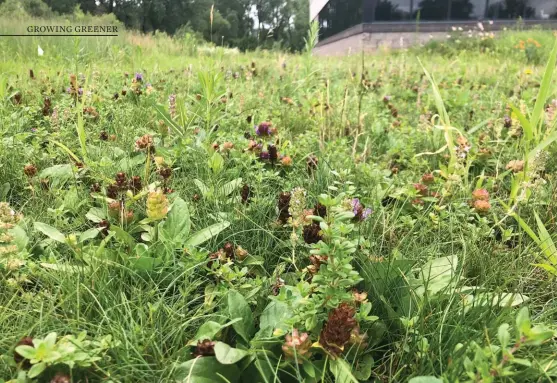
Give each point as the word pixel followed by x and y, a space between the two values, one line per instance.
pixel 58 174
pixel 439 273
pixel 202 187
pixel 546 242
pixel 28 352
pixel 425 379
pixel 363 367
pixel 504 335
pixel 177 226
pixel 96 215
pixel 216 162
pixel 36 370
pixel 206 370
pixel 545 87
pixel 523 321
pixel 229 187
pixel 528 128
pixel 20 237
pixel 274 316
pixel 204 235
pixel 50 232
pixel 239 308
pixel 341 371
pixel 122 235
pixel 209 330
pixel 228 355
pixel 89 234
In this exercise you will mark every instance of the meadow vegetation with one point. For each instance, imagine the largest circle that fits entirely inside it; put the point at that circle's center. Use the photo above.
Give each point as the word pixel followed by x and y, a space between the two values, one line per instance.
pixel 175 211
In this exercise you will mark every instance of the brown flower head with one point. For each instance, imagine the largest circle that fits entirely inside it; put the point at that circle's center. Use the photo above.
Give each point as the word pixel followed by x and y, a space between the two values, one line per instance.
pixel 482 206
pixel 245 193
pixel 30 170
pixel 515 165
pixel 296 345
pixel 205 348
pixel 283 207
pixel 507 122
pixel 165 172
pixel 103 136
pixel 121 180
pixel 338 329
pixel 480 195
pixel 112 191
pixel 144 142
pixel 312 233
pixel 428 178
pixel 421 189
pixel 135 184
pixel 359 297
pixel 311 163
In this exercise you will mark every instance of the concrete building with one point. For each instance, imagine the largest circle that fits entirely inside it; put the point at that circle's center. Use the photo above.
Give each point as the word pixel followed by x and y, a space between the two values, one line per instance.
pixel 353 25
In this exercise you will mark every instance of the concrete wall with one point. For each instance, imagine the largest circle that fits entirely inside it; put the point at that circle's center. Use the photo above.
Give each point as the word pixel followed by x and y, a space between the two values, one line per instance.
pixel 370 42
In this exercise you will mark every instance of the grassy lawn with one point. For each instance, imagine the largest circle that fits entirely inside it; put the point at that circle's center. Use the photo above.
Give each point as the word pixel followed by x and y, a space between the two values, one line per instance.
pixel 206 215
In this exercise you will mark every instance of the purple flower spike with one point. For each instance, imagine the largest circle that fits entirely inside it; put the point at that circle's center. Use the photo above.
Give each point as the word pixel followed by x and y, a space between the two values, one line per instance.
pixel 366 213
pixel 264 155
pixel 356 205
pixel 139 77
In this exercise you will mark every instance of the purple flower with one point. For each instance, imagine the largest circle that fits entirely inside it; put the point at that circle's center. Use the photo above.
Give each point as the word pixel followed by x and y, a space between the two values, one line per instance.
pixel 139 77
pixel 361 213
pixel 68 90
pixel 264 155
pixel 263 129
pixel 80 91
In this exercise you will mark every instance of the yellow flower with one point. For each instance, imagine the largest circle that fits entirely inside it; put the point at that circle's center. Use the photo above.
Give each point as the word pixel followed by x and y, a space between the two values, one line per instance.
pixel 528 71
pixel 157 205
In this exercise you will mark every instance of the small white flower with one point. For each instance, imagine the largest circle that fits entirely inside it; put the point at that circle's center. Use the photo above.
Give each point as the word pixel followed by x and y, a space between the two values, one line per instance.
pixel 480 25
pixel 448 36
pixel 460 29
pixel 453 28
pixel 490 22
pixel 39 50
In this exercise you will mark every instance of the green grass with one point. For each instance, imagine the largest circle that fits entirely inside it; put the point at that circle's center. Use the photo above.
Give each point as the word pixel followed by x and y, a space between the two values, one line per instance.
pixel 331 108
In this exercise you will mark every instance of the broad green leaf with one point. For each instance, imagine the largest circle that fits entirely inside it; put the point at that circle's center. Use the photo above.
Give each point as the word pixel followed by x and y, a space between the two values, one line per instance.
pixel 20 237
pixel 204 235
pixel 273 317
pixel 168 119
pixel 28 352
pixel 206 370
pixel 541 146
pixel 229 187
pixel 342 371
pixel 362 371
pixel 239 308
pixel 96 215
pixel 50 232
pixel 89 234
pixel 228 355
pixel 528 128
pixel 439 273
pixel 122 235
pixel 177 225
pixel 58 175
pixel 36 370
pixel 216 162
pixel 202 187
pixel 209 330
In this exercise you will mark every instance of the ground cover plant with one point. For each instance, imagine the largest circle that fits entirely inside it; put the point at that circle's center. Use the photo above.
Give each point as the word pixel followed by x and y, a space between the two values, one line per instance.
pixel 178 212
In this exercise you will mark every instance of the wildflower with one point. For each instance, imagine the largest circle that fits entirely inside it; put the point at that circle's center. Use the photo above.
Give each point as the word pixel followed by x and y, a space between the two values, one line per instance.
pixel 112 191
pixel 265 129
pixel 359 297
pixel 103 227
pixel 320 210
pixel 240 253
pixel 273 154
pixel 245 193
pixel 312 233
pixel 283 207
pixel 121 180
pixel 114 209
pixel 157 205
pixel 165 172
pixel 60 378
pixel 515 165
pixel 172 105
pixel 311 163
pixel 428 178
pixel 47 106
pixel 480 195
pixel 139 77
pixel 30 170
pixel 297 345
pixel 421 189
pixel 135 184
pixel 286 161
pixel 227 146
pixel 507 122
pixel 297 205
pixel 128 217
pixel 360 212
pixel 205 348
pixel 144 142
pixel 336 332
pixel 387 99
pixel 528 71
pixel 115 96
pixel 357 338
pixel 17 98
pixel 482 206
pixel 31 74
pixel 103 136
